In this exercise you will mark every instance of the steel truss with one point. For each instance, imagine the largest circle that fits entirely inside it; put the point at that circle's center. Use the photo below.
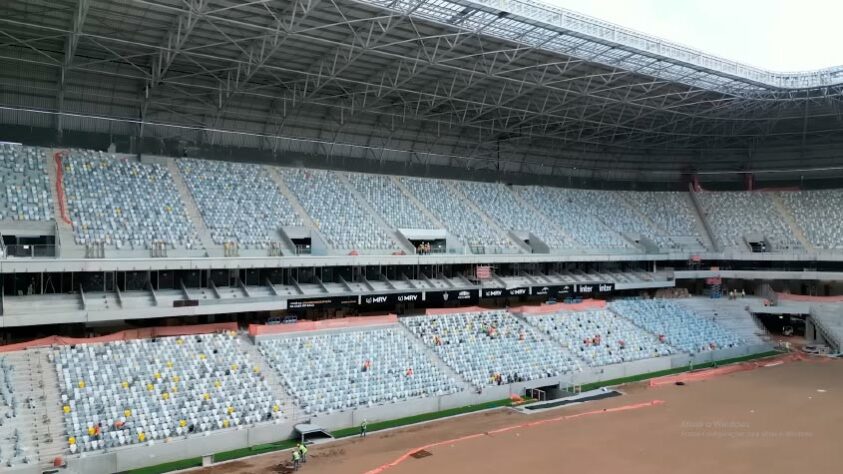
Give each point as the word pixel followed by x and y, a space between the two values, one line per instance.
pixel 481 83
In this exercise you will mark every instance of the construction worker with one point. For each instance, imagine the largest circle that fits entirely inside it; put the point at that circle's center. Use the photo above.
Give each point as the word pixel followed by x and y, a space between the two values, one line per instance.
pixel 363 427
pixel 303 452
pixel 296 459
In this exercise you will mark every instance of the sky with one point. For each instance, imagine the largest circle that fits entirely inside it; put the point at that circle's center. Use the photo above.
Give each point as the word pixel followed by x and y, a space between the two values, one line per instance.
pixel 778 35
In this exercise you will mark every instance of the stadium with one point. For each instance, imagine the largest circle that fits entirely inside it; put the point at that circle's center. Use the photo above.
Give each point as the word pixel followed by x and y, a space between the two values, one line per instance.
pixel 366 236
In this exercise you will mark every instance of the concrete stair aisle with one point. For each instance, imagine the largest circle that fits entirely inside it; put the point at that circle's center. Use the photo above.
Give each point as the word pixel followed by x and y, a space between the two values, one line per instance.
pixel 488 220
pixel 289 406
pixel 565 349
pixel 654 228
pixel 42 425
pixel 293 200
pixel 791 221
pixel 538 215
pixel 437 361
pixel 705 237
pixel 193 212
pixel 403 244
pixel 424 210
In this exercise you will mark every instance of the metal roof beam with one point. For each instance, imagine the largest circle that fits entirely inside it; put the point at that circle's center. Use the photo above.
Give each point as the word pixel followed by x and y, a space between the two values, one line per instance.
pixel 71 42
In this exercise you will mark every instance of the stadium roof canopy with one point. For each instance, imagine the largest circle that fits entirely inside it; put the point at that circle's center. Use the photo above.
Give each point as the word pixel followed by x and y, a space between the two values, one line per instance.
pixel 497 84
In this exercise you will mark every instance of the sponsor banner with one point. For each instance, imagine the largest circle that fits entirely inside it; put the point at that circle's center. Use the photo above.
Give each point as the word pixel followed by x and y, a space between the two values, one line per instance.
pixel 503 292
pixel 586 289
pixel 467 297
pixel 553 291
pixel 321 302
pixel 395 298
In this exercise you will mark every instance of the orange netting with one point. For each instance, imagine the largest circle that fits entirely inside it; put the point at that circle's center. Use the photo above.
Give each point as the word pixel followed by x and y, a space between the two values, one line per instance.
pixel 142 333
pixel 60 186
pixel 268 329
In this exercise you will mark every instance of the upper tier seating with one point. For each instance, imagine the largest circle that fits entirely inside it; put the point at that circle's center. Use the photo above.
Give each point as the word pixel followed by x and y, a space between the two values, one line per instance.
pixel 500 204
pixel 819 214
pixel 679 326
pixel 26 192
pixel 15 447
pixel 124 204
pixel 459 218
pixel 398 210
pixel 343 221
pixel 144 390
pixel 672 211
pixel 613 210
pixel 733 215
pixel 600 337
pixel 575 215
pixel 479 346
pixel 238 202
pixel 346 370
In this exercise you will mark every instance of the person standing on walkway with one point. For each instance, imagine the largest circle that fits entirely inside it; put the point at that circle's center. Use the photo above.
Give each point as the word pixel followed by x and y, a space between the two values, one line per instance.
pixel 303 451
pixel 296 459
pixel 363 427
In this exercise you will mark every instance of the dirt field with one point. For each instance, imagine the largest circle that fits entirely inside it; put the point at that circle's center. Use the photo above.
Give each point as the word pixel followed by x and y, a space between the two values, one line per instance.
pixel 770 420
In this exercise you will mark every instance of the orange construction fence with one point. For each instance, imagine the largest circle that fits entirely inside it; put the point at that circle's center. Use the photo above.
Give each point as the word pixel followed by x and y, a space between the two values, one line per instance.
pixel 728 369
pixel 142 333
pixel 339 323
pixel 559 307
pixel 809 299
pixel 443 311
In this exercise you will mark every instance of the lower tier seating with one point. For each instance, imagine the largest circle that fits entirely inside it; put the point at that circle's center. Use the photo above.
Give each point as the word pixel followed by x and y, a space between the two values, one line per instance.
pixel 130 392
pixel 492 347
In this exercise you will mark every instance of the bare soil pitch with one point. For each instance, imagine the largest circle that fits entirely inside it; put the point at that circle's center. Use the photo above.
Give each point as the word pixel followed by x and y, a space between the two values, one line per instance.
pixel 781 419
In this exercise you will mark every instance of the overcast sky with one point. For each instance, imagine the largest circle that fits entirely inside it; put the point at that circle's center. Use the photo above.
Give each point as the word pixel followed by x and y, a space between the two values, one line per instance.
pixel 778 35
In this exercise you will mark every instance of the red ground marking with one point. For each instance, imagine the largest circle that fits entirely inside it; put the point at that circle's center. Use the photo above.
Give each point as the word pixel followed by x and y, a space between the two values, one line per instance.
pixel 531 424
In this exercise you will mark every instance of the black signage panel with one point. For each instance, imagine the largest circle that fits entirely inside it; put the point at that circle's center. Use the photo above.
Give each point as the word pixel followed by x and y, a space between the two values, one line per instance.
pixel 321 302
pixel 466 297
pixel 492 292
pixel 183 303
pixel 499 292
pixel 553 291
pixel 585 289
pixel 391 299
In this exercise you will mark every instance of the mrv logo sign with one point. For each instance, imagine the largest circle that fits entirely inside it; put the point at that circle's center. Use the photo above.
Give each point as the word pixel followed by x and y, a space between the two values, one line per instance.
pixel 381 300
pixel 498 292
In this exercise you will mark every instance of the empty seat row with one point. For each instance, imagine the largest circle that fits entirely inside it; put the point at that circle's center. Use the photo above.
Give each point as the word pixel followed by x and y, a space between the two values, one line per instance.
pixel 347 370
pixel 25 193
pixel 130 392
pixel 122 203
pixel 677 325
pixel 499 203
pixel 458 217
pixel 734 216
pixel 239 202
pixel 340 218
pixel 492 347
pixel 599 337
